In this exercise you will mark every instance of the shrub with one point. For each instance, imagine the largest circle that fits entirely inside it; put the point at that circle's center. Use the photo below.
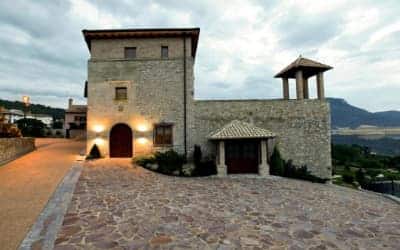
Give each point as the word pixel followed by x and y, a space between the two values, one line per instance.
pixel 348 177
pixel 302 173
pixel 276 163
pixel 205 168
pixel 279 167
pixel 94 153
pixel 144 160
pixel 169 162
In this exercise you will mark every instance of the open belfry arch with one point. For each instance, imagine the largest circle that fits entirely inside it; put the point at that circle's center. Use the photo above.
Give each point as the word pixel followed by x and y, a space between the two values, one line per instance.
pixel 301 70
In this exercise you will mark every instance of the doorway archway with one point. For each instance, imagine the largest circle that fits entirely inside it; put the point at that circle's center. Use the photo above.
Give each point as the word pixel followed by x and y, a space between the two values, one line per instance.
pixel 121 141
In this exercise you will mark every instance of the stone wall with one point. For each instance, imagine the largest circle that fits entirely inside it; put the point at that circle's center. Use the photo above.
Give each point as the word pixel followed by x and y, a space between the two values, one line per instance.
pixel 12 148
pixel 154 89
pixel 302 127
pixel 146 48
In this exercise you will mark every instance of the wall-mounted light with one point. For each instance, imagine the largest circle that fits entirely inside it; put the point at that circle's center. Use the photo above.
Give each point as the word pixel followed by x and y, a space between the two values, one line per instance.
pixel 142 128
pixel 98 129
pixel 142 140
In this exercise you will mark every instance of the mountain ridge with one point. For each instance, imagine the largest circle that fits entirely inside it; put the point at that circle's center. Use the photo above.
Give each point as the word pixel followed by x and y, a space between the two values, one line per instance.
pixel 344 114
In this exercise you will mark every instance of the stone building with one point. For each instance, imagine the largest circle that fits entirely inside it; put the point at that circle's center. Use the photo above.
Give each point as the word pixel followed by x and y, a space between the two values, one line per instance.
pixel 140 92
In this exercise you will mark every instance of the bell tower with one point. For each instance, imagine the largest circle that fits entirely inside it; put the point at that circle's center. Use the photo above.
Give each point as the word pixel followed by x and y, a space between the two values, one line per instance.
pixel 301 70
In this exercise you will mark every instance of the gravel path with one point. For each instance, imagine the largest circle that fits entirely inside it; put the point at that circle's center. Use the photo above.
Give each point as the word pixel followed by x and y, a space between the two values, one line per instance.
pixel 117 206
pixel 27 183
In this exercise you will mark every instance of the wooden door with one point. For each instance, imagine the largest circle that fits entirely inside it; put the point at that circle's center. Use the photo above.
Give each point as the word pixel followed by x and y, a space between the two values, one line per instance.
pixel 121 141
pixel 242 156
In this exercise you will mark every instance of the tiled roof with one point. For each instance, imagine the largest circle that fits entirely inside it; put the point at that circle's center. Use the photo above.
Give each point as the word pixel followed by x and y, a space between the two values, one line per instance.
pixel 302 62
pixel 240 130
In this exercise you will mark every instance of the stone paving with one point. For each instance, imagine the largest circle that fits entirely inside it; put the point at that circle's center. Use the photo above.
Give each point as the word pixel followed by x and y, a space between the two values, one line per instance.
pixel 118 206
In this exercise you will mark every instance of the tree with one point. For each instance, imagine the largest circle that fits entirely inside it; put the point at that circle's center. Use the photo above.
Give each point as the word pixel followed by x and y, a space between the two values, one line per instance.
pixel 277 163
pixel 31 127
pixel 58 125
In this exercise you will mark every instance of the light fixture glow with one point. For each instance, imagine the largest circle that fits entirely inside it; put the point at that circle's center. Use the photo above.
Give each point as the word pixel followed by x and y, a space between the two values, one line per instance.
pixel 98 128
pixel 99 141
pixel 142 140
pixel 142 128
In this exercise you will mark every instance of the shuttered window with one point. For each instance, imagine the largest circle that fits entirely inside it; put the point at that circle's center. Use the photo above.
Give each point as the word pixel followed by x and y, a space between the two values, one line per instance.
pixel 163 134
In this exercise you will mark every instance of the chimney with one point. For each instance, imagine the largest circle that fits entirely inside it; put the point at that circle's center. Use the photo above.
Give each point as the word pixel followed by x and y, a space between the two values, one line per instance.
pixel 70 101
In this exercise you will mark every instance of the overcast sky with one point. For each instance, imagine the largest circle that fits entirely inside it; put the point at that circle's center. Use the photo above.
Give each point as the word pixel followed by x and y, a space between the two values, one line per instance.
pixel 242 45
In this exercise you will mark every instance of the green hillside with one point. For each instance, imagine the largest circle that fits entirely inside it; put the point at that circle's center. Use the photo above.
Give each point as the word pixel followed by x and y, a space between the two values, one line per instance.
pixel 57 113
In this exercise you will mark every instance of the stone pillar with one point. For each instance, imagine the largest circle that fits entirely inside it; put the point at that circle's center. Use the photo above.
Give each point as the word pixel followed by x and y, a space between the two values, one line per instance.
pixel 263 168
pixel 285 82
pixel 306 91
pixel 320 86
pixel 299 85
pixel 221 167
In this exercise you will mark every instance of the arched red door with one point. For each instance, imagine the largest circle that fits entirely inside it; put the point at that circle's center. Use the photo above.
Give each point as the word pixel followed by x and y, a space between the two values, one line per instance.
pixel 121 141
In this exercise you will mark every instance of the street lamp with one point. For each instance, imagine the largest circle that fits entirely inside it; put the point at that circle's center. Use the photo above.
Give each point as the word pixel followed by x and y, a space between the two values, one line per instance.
pixel 25 100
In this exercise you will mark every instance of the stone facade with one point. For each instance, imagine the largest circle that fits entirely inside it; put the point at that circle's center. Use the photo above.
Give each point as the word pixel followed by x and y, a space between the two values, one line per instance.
pixel 302 127
pixel 154 89
pixel 12 148
pixel 155 94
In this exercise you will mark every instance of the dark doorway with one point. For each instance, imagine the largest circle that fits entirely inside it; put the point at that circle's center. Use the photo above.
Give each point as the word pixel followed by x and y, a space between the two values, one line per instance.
pixel 242 156
pixel 121 141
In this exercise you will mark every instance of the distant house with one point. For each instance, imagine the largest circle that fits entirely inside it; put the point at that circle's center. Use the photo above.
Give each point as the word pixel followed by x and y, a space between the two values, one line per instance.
pixel 12 115
pixel 75 120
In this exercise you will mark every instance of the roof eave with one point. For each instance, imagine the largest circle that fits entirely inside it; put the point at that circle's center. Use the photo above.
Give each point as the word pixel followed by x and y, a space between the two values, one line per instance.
pixel 243 137
pixel 192 32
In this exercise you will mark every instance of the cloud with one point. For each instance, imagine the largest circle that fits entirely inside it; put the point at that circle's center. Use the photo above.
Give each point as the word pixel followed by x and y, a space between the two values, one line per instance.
pixel 243 43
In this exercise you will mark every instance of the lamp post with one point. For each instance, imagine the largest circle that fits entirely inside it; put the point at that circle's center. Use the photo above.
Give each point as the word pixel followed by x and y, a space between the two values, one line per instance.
pixel 25 100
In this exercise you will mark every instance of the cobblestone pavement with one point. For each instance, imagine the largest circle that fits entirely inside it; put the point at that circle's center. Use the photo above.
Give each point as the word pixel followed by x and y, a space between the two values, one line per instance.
pixel 117 206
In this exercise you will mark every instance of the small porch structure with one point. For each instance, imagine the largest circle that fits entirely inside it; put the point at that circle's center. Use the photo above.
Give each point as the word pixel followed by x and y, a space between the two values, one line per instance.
pixel 301 70
pixel 242 148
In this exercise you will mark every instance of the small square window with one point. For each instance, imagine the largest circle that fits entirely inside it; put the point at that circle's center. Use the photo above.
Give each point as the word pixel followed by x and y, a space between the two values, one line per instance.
pixel 121 93
pixel 130 52
pixel 163 134
pixel 164 51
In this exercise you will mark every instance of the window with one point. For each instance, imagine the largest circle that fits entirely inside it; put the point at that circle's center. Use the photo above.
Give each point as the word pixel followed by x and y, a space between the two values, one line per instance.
pixel 164 51
pixel 130 52
pixel 163 134
pixel 121 93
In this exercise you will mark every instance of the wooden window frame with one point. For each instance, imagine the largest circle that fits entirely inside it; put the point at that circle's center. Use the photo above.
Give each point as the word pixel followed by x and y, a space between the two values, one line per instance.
pixel 163 143
pixel 117 97
pixel 162 49
pixel 126 54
